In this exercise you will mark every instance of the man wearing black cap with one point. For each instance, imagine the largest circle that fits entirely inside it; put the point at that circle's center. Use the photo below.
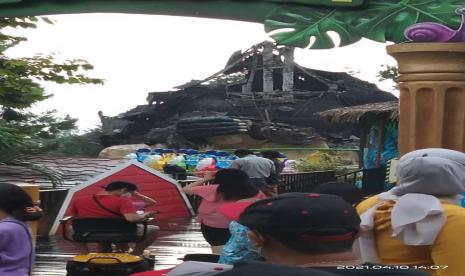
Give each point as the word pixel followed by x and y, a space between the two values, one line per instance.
pixel 307 231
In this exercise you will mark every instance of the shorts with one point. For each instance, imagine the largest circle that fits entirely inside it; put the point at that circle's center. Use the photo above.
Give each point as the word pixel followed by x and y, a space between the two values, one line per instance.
pixel 215 236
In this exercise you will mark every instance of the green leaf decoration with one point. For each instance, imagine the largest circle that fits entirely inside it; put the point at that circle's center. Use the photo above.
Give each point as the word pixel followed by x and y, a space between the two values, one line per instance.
pixel 295 27
pixel 377 20
pixel 386 20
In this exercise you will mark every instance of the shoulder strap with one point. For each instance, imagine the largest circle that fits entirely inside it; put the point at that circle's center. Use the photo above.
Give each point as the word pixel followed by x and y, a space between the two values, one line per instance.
pixel 105 208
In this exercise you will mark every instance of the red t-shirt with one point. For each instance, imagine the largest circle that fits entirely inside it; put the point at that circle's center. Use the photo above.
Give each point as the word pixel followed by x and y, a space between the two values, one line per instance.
pixel 87 207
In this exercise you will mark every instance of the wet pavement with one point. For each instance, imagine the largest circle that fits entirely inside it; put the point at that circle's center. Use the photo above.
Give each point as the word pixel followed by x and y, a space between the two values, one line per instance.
pixel 177 238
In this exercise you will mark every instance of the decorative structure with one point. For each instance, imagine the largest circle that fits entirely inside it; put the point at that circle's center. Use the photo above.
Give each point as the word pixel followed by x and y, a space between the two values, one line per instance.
pixel 171 201
pixel 378 130
pixel 306 23
pixel 378 141
pixel 262 98
pixel 432 87
pixel 432 95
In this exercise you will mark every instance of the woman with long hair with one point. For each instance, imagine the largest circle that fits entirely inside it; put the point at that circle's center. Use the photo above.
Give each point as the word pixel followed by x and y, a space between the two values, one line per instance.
pixel 16 244
pixel 229 185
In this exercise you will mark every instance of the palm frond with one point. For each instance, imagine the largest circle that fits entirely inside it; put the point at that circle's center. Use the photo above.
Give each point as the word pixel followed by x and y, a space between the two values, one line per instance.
pixel 55 176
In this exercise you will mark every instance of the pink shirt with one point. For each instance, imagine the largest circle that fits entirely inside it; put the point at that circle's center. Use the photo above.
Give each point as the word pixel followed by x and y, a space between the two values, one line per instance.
pixel 209 209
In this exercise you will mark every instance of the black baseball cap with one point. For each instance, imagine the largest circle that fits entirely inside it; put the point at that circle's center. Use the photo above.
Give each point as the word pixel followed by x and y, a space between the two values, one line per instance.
pixel 303 216
pixel 266 269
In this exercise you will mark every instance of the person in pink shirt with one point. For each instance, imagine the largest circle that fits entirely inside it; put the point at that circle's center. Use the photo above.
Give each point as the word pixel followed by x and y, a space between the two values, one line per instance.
pixel 230 185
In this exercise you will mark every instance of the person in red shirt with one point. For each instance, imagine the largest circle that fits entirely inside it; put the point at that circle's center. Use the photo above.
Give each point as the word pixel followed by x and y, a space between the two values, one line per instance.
pixel 114 202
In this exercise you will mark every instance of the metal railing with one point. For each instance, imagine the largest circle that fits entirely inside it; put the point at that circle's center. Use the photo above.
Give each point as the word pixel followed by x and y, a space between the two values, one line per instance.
pixel 372 180
pixel 350 177
pixel 304 182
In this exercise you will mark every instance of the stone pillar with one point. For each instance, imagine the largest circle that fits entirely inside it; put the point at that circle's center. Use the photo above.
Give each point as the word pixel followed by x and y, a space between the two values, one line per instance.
pixel 432 95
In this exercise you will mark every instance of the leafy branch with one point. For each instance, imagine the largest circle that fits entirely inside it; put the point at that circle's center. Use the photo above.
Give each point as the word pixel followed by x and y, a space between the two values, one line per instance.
pixel 389 72
pixel 23 133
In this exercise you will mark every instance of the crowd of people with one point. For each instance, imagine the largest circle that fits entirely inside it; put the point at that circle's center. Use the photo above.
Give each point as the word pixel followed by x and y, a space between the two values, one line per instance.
pixel 413 229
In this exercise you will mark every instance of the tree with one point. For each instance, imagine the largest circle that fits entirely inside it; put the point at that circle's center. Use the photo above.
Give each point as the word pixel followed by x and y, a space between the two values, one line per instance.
pixel 22 132
pixel 389 72
pixel 85 145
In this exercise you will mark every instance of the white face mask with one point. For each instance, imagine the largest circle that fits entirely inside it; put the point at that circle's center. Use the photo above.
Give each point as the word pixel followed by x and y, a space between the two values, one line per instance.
pixel 126 194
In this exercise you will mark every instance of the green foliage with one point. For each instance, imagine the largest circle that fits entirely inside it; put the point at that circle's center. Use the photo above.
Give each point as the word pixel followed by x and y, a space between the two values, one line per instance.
pixel 20 78
pixel 328 162
pixel 21 132
pixel 377 20
pixel 389 72
pixel 386 20
pixel 12 142
pixel 32 133
pixel 84 145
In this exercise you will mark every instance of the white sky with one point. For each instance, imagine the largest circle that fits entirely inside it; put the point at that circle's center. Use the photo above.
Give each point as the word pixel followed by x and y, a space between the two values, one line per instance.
pixel 137 54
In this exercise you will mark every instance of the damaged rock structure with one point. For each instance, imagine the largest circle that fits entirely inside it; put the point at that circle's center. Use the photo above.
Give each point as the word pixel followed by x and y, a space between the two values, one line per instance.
pixel 262 98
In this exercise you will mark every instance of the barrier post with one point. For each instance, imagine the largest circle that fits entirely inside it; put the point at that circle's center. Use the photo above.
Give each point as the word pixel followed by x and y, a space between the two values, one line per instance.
pixel 34 192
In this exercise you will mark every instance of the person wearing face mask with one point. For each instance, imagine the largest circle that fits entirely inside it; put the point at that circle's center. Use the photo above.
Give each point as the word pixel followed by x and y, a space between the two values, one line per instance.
pixel 310 231
pixel 114 202
pixel 16 244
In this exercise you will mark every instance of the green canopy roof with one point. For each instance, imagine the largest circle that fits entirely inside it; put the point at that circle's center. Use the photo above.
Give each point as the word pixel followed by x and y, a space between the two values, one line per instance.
pixel 254 11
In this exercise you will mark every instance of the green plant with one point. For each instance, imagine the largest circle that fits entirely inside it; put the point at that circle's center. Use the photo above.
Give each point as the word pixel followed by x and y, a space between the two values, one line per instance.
pixel 328 161
pixel 377 20
pixel 84 145
pixel 21 85
pixel 389 72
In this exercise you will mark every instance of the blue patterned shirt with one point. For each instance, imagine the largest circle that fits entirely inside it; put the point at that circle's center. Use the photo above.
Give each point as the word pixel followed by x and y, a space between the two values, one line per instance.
pixel 238 247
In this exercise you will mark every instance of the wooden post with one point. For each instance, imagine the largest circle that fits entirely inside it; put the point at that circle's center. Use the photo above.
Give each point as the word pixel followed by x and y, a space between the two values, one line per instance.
pixel 267 116
pixel 267 68
pixel 288 70
pixel 247 88
pixel 33 191
pixel 364 132
pixel 382 126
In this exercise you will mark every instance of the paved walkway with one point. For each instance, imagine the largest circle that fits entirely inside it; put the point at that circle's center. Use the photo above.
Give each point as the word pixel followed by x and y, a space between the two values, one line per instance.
pixel 177 238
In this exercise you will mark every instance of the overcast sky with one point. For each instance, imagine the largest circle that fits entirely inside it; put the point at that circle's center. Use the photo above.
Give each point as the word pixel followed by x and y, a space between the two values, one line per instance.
pixel 137 54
